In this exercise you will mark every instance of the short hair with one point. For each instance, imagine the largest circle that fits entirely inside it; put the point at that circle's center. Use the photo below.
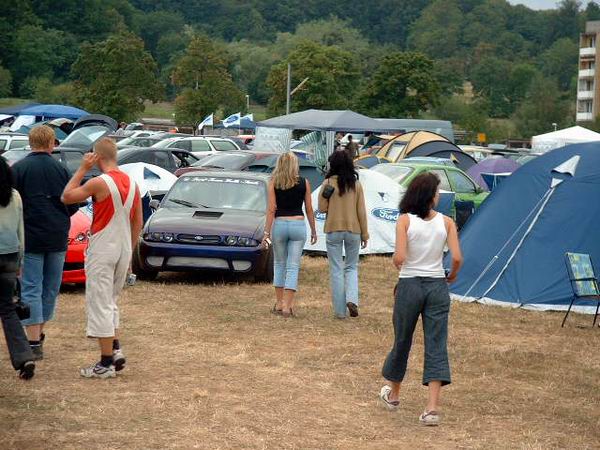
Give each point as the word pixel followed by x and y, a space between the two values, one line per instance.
pixel 420 194
pixel 106 149
pixel 6 183
pixel 41 137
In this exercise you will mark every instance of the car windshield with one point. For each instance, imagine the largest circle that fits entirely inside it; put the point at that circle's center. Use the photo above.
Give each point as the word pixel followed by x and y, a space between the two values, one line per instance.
pixel 84 137
pixel 13 156
pixel 396 173
pixel 217 192
pixel 229 161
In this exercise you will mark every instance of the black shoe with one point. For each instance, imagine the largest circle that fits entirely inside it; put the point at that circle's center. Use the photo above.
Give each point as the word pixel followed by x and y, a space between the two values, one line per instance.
pixel 27 370
pixel 38 352
pixel 353 309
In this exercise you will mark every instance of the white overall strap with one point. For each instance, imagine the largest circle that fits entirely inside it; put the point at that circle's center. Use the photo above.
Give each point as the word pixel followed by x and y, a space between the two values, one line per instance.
pixel 114 192
pixel 130 195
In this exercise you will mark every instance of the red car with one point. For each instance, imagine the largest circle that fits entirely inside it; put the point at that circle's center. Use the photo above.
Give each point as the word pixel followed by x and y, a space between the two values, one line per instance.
pixel 73 271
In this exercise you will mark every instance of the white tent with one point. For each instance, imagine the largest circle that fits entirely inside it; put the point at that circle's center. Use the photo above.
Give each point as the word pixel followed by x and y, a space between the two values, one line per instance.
pixel 150 178
pixel 556 139
pixel 382 197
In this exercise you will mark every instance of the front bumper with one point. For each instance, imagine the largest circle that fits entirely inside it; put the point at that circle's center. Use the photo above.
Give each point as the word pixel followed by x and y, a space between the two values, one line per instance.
pixel 158 256
pixel 73 269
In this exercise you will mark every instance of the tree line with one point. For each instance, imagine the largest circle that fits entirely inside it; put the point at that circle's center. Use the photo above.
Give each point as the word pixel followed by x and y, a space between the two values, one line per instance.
pixel 475 62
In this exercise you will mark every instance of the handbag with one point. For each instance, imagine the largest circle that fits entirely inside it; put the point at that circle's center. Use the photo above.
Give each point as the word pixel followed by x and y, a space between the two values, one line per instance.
pixel 22 309
pixel 328 191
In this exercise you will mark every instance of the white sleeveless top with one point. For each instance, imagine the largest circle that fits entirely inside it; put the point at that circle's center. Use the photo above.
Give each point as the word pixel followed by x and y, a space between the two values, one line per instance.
pixel 425 247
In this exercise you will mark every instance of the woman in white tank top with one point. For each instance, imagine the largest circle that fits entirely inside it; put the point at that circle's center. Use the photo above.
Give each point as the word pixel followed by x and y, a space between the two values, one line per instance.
pixel 422 234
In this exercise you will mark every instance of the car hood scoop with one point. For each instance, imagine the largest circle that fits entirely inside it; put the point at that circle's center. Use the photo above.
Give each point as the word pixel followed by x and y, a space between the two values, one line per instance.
pixel 207 214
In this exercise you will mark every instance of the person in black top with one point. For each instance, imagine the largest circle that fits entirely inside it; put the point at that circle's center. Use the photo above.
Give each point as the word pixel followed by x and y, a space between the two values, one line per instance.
pixel 40 180
pixel 288 192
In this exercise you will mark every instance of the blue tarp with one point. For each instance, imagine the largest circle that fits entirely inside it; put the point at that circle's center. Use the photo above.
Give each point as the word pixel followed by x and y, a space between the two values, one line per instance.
pixel 537 276
pixel 54 112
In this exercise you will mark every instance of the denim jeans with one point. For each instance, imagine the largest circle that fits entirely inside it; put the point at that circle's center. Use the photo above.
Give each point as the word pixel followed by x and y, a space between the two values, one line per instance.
pixel 429 298
pixel 289 237
pixel 40 283
pixel 343 273
pixel 16 340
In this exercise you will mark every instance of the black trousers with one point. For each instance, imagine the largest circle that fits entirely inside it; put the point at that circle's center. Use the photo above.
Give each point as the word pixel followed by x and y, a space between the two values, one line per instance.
pixel 18 345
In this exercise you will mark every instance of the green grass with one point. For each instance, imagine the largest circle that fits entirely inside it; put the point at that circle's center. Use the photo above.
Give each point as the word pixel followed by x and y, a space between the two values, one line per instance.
pixel 11 101
pixel 161 110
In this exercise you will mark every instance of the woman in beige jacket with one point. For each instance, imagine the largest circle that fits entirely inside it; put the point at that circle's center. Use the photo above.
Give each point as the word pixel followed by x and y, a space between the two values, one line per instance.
pixel 346 229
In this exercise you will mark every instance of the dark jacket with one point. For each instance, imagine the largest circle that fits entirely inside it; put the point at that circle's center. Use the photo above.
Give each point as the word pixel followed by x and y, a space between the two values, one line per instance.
pixel 40 180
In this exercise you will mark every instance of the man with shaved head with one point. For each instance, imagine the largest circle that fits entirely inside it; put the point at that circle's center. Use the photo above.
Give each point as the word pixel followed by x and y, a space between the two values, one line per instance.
pixel 115 230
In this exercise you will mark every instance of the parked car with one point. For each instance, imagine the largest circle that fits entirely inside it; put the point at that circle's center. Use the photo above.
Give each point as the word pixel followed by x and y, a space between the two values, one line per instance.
pixel 122 135
pixel 199 145
pixel 87 131
pixel 208 221
pixel 13 156
pixel 12 141
pixel 73 269
pixel 252 162
pixel 147 141
pixel 169 159
pixel 451 178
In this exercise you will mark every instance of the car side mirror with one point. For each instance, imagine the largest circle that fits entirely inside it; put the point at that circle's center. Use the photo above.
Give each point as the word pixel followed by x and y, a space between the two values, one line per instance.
pixel 154 204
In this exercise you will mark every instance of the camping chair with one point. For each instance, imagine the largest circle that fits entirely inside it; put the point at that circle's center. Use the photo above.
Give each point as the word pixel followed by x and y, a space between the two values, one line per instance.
pixel 583 281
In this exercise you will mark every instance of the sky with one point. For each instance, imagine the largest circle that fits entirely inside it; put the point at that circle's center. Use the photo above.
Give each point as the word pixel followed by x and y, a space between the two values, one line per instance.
pixel 536 4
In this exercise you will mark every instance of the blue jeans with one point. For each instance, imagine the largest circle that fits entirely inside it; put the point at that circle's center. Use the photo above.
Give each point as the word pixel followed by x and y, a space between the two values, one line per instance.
pixel 428 298
pixel 343 273
pixel 289 237
pixel 40 283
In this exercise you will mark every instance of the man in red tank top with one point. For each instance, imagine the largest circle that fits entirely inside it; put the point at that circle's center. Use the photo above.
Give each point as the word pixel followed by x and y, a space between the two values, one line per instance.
pixel 115 230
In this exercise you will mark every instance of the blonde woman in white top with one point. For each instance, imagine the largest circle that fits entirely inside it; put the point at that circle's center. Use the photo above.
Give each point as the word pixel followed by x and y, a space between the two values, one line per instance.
pixel 422 234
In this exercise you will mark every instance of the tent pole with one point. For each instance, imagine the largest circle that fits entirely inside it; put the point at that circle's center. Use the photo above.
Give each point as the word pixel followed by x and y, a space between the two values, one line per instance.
pixel 518 247
pixel 509 240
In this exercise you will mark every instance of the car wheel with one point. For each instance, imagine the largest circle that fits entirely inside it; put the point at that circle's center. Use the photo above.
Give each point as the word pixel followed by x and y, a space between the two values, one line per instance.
pixel 267 275
pixel 142 274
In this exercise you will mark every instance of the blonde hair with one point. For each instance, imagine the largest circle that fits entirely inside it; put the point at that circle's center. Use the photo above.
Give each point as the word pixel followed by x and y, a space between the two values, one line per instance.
pixel 106 149
pixel 286 173
pixel 41 137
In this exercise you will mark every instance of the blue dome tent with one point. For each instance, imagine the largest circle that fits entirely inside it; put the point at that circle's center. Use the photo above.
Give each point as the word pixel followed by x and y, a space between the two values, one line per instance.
pixel 514 246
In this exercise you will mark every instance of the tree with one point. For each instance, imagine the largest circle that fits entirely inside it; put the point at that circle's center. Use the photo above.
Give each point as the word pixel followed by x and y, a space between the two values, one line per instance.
pixel 560 62
pixel 251 67
pixel 115 77
pixel 543 106
pixel 38 52
pixel 48 92
pixel 5 82
pixel 437 31
pixel 502 83
pixel 205 85
pixel 403 85
pixel 332 78
pixel 152 26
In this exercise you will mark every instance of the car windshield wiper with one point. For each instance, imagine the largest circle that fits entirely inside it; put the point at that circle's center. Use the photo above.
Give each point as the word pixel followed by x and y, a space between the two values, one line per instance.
pixel 213 167
pixel 186 203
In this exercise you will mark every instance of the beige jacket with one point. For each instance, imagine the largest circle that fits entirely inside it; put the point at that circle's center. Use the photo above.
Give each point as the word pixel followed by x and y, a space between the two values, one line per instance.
pixel 346 212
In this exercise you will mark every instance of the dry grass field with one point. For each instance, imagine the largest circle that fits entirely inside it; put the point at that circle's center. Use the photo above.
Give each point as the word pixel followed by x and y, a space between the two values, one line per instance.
pixel 209 367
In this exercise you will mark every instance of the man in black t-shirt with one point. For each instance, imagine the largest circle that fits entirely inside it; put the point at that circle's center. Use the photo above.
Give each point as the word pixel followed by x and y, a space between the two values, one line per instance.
pixel 40 180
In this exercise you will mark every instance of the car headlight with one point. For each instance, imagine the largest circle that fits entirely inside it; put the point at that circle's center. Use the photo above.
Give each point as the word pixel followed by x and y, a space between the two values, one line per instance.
pixel 156 236
pixel 231 240
pixel 247 242
pixel 81 238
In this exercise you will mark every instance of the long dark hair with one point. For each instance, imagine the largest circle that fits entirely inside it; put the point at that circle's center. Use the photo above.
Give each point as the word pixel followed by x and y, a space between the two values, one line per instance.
pixel 341 164
pixel 6 183
pixel 420 195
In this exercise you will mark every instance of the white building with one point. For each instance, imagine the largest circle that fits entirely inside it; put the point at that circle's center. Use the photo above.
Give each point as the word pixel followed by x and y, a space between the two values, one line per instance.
pixel 588 92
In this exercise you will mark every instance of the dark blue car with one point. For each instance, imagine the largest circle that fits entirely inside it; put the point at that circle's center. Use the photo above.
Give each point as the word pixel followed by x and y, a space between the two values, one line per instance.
pixel 208 221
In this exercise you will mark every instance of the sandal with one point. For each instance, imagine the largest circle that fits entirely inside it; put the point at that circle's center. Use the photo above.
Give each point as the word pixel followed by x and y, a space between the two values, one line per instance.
pixel 276 311
pixel 288 314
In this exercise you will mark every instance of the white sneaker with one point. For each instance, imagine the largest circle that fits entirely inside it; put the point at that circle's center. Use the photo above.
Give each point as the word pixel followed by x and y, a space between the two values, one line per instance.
pixel 98 371
pixel 119 360
pixel 430 419
pixel 384 399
